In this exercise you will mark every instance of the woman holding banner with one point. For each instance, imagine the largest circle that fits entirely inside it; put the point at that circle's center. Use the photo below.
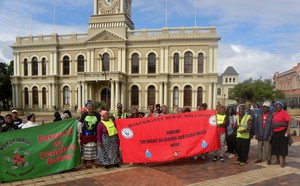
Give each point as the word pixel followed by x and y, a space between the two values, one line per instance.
pixel 108 143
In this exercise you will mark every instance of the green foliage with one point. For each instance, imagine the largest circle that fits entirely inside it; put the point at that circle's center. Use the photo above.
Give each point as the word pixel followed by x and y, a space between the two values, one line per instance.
pixel 255 91
pixel 100 105
pixel 5 84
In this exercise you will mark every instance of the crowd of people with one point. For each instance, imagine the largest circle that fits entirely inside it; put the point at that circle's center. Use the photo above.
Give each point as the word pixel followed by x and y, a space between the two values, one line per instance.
pixel 97 133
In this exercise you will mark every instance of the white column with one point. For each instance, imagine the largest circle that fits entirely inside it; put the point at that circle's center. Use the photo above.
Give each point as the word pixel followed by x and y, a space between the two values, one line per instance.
pixel 40 68
pixel 88 62
pixel 122 6
pixel 146 98
pixel 123 60
pixel 171 100
pixel 117 91
pixel 119 59
pixel 55 69
pixel 51 63
pixel 165 93
pixel 40 94
pixel 161 61
pixel 215 59
pixel 140 99
pixel 195 65
pixel 210 55
pixel 14 99
pixel 93 61
pixel 80 103
pixel 90 92
pixel 29 68
pixel 180 98
pixel 49 96
pixel 30 98
pixel 214 96
pixel 18 64
pixel 181 66
pixel 15 64
pixel 209 96
pixel 166 59
pixel 123 93
pixel 17 95
pixel 161 89
pixel 95 7
pixel 112 92
pixel 194 99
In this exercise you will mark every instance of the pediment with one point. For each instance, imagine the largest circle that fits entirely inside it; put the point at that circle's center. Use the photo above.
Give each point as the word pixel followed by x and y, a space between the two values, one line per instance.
pixel 105 36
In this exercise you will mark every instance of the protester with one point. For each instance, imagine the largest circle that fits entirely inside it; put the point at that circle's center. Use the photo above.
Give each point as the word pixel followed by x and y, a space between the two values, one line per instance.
pixel 9 124
pixel 30 121
pixel 244 124
pixel 263 132
pixel 202 107
pixel 231 132
pixel 65 116
pixel 180 110
pixel 2 120
pixel 134 113
pixel 88 137
pixel 281 129
pixel 151 111
pixel 119 114
pixel 141 114
pixel 157 109
pixel 187 110
pixel 164 110
pixel 249 111
pixel 223 122
pixel 68 112
pixel 17 122
pixel 108 143
pixel 57 117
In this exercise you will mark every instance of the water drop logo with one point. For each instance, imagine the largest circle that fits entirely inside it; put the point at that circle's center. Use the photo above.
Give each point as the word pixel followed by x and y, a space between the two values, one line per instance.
pixel 204 144
pixel 148 154
pixel 213 120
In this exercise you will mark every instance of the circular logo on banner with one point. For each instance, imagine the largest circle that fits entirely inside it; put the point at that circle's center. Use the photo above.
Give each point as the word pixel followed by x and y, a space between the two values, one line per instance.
pixel 213 120
pixel 127 133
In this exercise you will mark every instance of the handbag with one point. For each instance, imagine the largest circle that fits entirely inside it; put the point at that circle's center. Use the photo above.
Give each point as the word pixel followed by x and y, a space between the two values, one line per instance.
pixel 290 142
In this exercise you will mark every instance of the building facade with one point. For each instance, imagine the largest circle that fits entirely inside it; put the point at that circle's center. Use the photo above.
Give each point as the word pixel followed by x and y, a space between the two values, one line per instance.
pixel 226 81
pixel 114 63
pixel 289 83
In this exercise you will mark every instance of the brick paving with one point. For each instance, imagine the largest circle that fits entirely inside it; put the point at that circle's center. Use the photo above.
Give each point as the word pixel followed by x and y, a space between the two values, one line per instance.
pixel 181 172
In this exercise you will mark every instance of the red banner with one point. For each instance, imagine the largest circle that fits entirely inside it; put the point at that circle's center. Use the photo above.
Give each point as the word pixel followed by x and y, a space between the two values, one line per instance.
pixel 169 137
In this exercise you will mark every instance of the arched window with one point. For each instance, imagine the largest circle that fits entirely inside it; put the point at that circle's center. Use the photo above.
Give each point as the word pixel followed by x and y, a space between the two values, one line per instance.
pixel 44 66
pixel 175 96
pixel 199 96
pixel 233 80
pixel 188 62
pixel 176 63
pixel 105 62
pixel 66 65
pixel 66 98
pixel 25 67
pixel 44 94
pixel 151 95
pixel 35 96
pixel 229 80
pixel 26 97
pixel 134 95
pixel 151 63
pixel 187 96
pixel 135 60
pixel 226 80
pixel 200 63
pixel 80 63
pixel 34 66
pixel 219 92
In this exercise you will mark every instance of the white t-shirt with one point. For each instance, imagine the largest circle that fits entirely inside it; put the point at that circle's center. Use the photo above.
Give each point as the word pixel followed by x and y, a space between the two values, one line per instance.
pixel 30 124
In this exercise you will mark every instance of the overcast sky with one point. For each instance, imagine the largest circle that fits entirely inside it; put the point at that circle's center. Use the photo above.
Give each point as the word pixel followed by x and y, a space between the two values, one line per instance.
pixel 258 37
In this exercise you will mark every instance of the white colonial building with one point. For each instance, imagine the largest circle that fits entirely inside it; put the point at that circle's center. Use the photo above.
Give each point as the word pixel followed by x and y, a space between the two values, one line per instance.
pixel 114 63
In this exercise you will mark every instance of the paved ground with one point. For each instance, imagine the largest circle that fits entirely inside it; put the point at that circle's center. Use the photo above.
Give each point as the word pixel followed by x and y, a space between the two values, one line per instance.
pixel 183 172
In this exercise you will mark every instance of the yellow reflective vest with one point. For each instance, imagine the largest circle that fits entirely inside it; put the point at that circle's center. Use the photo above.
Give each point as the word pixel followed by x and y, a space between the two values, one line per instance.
pixel 123 115
pixel 110 126
pixel 242 126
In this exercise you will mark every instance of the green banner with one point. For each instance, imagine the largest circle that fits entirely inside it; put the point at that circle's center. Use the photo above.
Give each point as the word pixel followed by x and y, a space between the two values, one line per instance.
pixel 39 151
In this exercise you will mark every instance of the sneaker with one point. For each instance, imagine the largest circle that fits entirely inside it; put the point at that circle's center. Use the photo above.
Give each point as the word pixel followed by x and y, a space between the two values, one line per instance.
pixel 231 156
pixel 237 162
pixel 222 159
pixel 242 164
pixel 215 158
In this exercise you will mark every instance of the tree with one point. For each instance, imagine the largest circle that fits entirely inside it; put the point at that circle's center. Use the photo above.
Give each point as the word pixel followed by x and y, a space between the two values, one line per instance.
pixel 6 70
pixel 255 91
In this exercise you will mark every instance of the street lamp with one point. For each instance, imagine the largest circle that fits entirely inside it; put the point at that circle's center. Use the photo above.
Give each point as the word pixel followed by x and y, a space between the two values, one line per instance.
pixel 224 99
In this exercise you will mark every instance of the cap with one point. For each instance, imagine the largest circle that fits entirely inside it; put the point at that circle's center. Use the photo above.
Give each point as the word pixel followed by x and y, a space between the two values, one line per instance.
pixel 14 111
pixel 29 116
pixel 279 103
pixel 83 109
pixel 266 104
pixel 119 105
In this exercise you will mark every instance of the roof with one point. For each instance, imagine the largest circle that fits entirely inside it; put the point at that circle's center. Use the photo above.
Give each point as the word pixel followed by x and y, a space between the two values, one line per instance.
pixel 230 71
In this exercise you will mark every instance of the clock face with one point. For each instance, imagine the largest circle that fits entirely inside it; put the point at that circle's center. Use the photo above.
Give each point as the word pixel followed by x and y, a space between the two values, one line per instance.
pixel 109 3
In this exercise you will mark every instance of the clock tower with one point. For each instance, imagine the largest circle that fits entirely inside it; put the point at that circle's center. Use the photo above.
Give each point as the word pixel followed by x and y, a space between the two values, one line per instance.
pixel 111 15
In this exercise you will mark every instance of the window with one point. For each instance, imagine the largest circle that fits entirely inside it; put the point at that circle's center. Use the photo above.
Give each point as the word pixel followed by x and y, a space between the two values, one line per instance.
pixel 229 80
pixel 200 63
pixel 66 95
pixel 176 63
pixel 151 63
pixel 26 96
pixel 35 96
pixel 44 66
pixel 66 65
pixel 44 94
pixel 151 95
pixel 187 96
pixel 233 80
pixel 134 95
pixel 105 62
pixel 188 62
pixel 25 67
pixel 175 96
pixel 80 63
pixel 226 80
pixel 34 66
pixel 135 64
pixel 219 91
pixel 199 96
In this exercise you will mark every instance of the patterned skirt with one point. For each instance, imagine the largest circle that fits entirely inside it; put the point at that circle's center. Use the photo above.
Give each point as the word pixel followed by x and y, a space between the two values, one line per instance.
pixel 90 151
pixel 108 152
